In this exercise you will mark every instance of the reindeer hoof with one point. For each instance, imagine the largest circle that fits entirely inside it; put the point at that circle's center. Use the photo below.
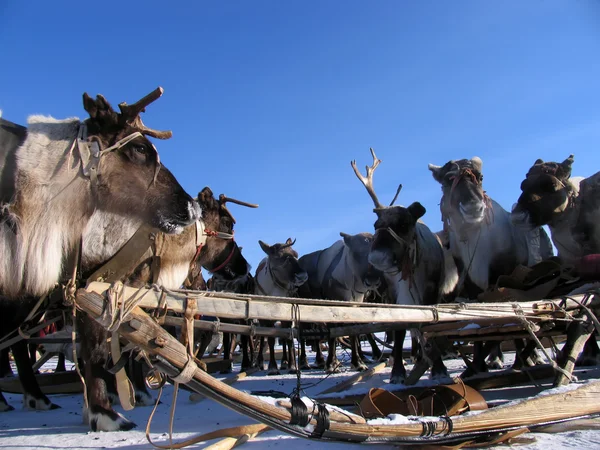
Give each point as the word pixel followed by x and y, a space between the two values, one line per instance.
pixel 293 371
pixel 38 404
pixel 284 365
pixel 304 367
pixel 101 419
pixel 4 407
pixel 496 363
pixel 333 368
pixel 397 379
pixel 143 399
pixel 227 370
pixel 361 367
pixel 273 372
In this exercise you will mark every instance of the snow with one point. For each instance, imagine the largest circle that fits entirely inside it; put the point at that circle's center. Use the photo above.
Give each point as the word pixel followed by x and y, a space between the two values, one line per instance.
pixel 64 429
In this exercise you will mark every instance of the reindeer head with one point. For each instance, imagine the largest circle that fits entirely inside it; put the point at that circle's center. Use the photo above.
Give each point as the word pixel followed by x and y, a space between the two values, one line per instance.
pixel 395 226
pixel 129 178
pixel 221 255
pixel 464 201
pixel 359 247
pixel 546 193
pixel 283 264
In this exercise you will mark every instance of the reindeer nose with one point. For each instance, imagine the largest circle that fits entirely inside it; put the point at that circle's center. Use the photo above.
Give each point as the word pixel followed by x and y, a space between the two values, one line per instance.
pixel 472 208
pixel 301 278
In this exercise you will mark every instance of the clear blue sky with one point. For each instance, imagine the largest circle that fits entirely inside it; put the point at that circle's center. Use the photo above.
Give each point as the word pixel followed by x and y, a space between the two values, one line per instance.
pixel 269 101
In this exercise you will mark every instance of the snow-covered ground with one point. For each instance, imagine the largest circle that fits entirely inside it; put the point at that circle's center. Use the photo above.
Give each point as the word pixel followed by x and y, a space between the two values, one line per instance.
pixel 64 429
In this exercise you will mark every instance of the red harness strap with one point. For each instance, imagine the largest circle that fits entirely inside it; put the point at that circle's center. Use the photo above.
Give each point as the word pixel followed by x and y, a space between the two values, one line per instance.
pixel 224 263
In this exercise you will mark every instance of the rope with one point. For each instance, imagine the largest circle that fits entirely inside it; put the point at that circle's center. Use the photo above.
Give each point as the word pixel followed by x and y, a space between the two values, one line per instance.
pixel 529 327
pixel 117 308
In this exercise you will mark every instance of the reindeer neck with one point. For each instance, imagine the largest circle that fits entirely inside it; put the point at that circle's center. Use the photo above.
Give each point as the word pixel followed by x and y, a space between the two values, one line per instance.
pixel 266 283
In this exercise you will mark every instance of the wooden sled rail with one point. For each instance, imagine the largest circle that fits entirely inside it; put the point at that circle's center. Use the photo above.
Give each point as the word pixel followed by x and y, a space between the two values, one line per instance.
pixel 139 328
pixel 240 306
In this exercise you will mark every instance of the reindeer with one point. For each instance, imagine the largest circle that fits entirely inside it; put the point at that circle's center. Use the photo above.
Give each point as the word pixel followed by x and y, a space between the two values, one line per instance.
pixel 587 227
pixel 549 197
pixel 339 272
pixel 174 260
pixel 569 206
pixel 481 236
pixel 280 275
pixel 59 174
pixel 412 260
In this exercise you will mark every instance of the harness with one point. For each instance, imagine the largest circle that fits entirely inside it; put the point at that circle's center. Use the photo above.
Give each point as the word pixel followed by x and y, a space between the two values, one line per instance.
pixel 268 270
pixel 411 257
pixel 90 153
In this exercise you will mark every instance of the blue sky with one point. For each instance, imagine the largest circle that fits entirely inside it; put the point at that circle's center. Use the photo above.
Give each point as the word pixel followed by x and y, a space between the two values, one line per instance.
pixel 270 100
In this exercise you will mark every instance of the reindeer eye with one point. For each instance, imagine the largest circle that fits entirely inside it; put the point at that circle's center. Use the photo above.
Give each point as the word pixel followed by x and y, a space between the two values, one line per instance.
pixel 141 149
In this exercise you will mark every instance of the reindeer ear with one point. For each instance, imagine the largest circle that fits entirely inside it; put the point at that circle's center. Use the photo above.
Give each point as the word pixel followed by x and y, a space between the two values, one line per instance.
pixel 265 247
pixel 346 237
pixel 436 171
pixel 289 241
pixel 90 105
pixel 565 167
pixel 205 196
pixel 416 210
pixel 538 162
pixel 477 163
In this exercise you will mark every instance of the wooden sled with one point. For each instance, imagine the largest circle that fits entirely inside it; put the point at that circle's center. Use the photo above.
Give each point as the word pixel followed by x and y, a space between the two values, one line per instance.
pixel 491 426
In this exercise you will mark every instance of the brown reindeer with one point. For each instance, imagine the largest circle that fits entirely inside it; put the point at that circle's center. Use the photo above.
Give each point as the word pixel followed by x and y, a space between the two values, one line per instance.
pixel 208 244
pixel 59 174
pixel 570 206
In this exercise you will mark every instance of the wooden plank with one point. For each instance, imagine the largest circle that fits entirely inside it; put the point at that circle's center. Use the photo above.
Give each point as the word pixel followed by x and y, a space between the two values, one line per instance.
pixel 195 397
pixel 361 376
pixel 238 306
pixel 50 383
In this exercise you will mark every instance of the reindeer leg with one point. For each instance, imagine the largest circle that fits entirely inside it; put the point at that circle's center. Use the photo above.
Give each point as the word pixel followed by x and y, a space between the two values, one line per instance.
pixel 357 362
pixel 246 353
pixel 136 374
pixel 398 375
pixel 333 364
pixel 285 364
pixel 376 352
pixel 227 351
pixel 260 358
pixel 304 365
pixel 591 353
pixel 293 368
pixel 5 369
pixel 33 398
pixel 94 351
pixel 273 370
pixel 438 348
pixel 60 364
pixel 496 358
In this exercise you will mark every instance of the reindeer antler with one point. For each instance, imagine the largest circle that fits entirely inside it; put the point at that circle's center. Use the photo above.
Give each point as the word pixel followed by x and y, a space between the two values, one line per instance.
pixel 131 114
pixel 396 196
pixel 288 244
pixel 368 180
pixel 223 199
